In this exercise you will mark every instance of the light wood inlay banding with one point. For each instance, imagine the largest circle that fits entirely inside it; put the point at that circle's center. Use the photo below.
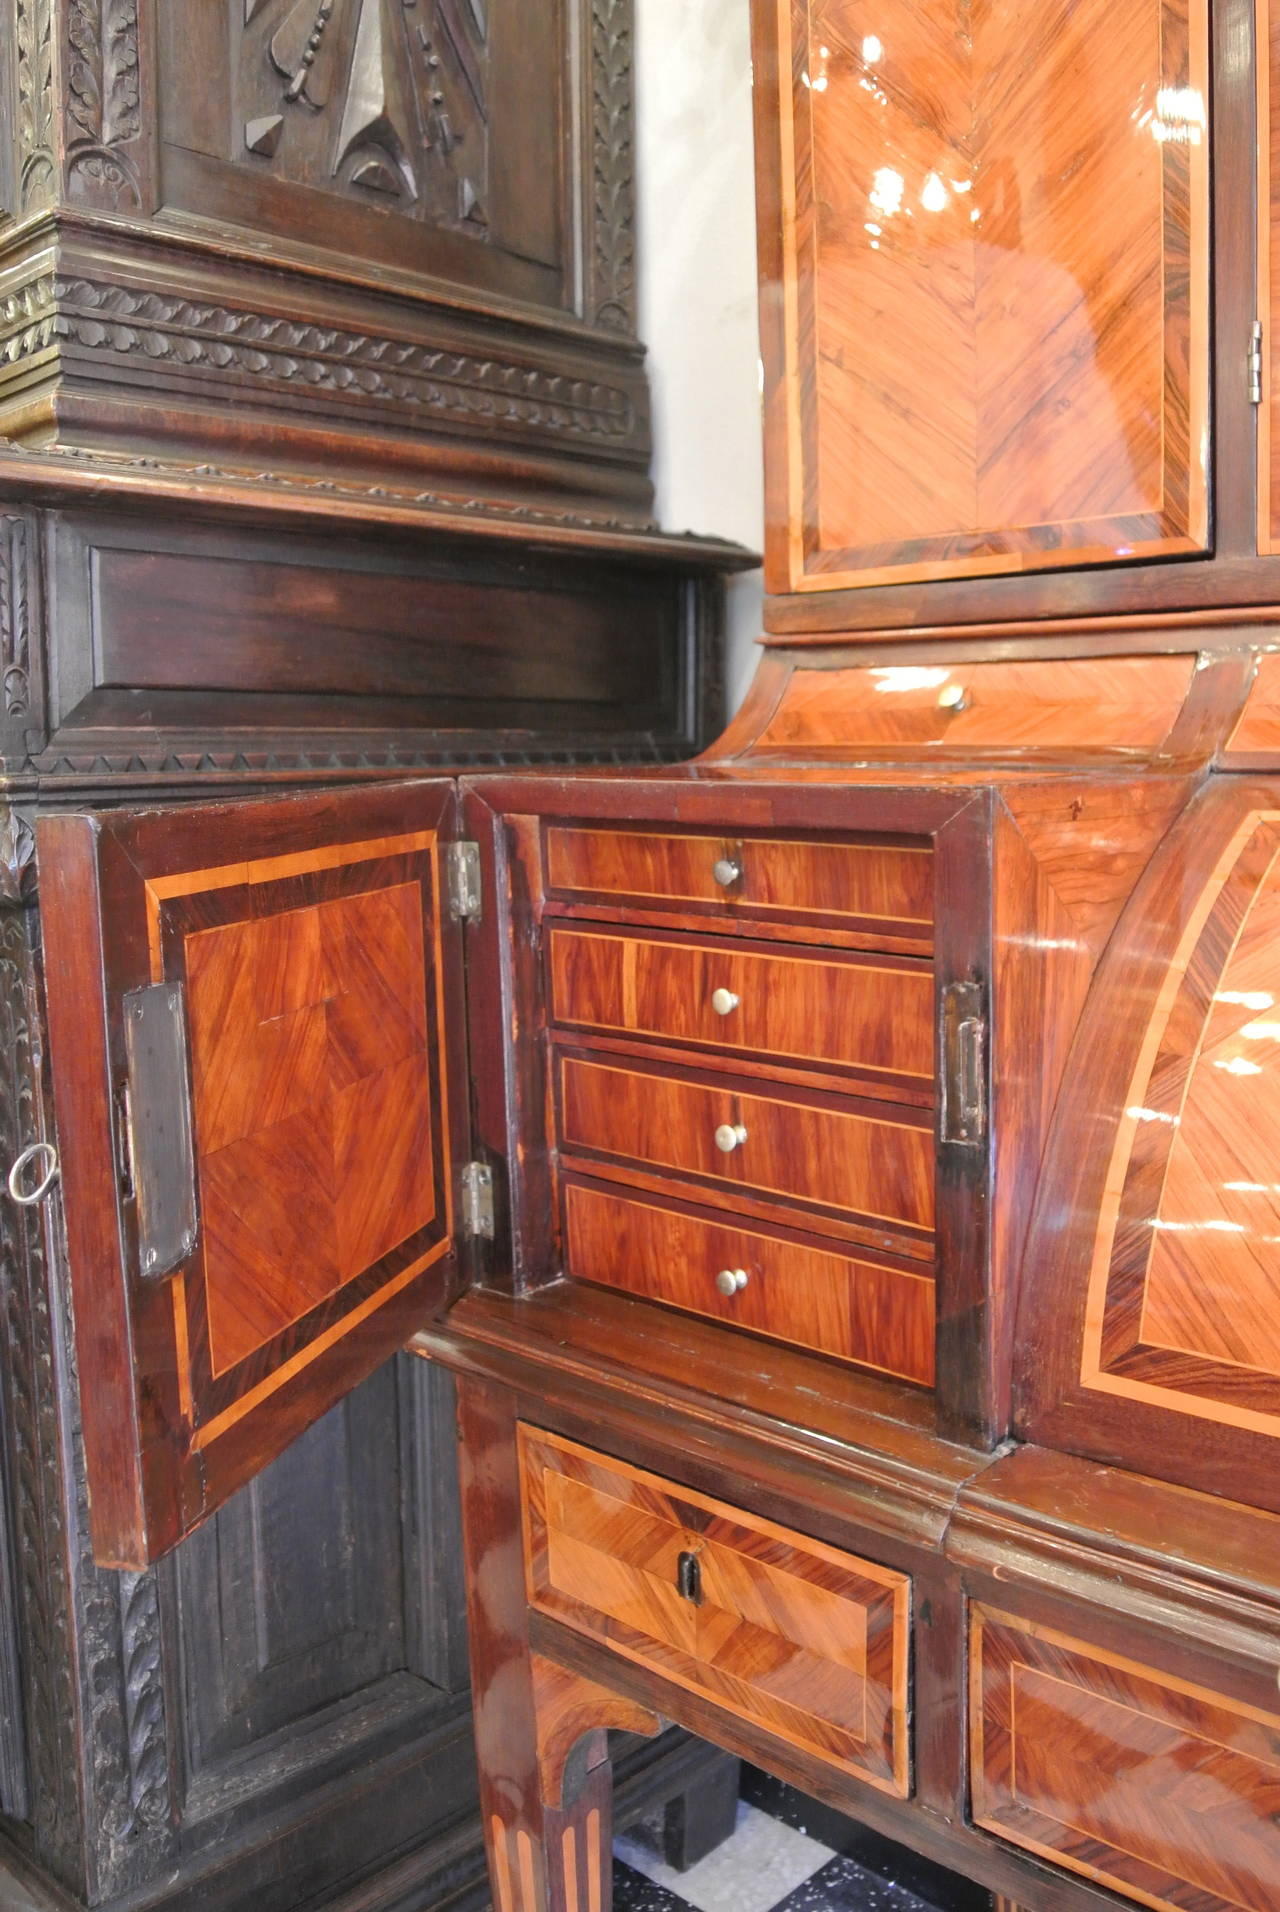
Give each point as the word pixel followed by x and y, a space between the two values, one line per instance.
pixel 1158 1788
pixel 989 348
pixel 792 1634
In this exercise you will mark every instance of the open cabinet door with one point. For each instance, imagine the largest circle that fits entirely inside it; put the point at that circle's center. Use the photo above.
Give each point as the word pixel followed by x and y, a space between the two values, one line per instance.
pixel 258 1049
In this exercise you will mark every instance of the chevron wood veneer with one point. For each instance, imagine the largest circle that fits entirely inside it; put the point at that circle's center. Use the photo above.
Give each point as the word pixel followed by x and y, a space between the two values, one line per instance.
pixel 989 344
pixel 1161 1790
pixel 777 1629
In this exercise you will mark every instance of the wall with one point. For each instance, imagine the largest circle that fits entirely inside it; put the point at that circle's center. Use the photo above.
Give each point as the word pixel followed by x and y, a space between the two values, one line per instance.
pixel 697 268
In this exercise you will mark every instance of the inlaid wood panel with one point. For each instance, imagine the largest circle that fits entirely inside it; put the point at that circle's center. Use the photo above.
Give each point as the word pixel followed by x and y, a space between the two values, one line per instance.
pixel 881 882
pixel 1257 734
pixel 312 1104
pixel 850 1013
pixel 1094 703
pixel 1185 1289
pixel 859 1162
pixel 986 319
pixel 1162 1790
pixel 777 1629
pixel 874 1313
pixel 305 937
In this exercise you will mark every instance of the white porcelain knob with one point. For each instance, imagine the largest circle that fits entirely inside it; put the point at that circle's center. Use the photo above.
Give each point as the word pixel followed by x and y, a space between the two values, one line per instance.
pixel 724 1002
pixel 727 872
pixel 952 697
pixel 730 1136
pixel 731 1281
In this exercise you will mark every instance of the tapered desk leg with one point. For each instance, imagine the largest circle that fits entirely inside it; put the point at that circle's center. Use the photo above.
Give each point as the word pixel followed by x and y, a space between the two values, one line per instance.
pixel 546 1786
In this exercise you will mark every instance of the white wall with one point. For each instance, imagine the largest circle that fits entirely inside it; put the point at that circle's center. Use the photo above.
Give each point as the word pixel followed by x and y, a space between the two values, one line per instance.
pixel 697 269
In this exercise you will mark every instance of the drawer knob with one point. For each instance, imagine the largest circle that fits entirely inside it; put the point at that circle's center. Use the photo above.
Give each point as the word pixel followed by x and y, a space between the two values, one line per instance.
pixel 724 1002
pixel 727 872
pixel 730 1136
pixel 953 697
pixel 731 1281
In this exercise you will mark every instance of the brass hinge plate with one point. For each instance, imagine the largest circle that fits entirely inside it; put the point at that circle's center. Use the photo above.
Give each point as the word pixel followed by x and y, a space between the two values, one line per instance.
pixel 477 1201
pixel 1255 363
pixel 463 878
pixel 963 1116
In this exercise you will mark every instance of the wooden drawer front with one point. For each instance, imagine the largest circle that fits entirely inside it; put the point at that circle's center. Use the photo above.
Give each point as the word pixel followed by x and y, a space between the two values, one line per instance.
pixel 883 882
pixel 1092 703
pixel 862 1164
pixel 851 1014
pixel 789 1634
pixel 870 1312
pixel 1161 1790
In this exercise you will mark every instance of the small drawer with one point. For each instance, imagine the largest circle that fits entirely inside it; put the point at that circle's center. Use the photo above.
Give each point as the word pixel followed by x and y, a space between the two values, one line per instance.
pixel 860 882
pixel 865 1164
pixel 784 1632
pixel 870 1312
pixel 1051 704
pixel 855 1012
pixel 1164 1791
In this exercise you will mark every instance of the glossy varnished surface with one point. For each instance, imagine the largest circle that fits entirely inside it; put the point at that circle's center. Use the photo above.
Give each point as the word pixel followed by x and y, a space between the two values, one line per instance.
pixel 1089 704
pixel 843 1014
pixel 985 261
pixel 875 1312
pixel 307 938
pixel 1154 1786
pixel 787 1631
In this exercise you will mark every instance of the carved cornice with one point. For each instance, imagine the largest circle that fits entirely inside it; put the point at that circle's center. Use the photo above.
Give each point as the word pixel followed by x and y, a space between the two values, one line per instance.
pixel 614 288
pixel 294 355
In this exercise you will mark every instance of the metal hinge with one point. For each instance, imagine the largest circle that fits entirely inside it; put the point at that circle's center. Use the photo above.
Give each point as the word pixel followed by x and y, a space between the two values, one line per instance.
pixel 477 1201
pixel 964 1064
pixel 1255 363
pixel 463 865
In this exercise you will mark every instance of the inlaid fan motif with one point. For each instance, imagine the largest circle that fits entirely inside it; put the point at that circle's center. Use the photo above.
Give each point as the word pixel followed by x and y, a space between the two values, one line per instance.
pixel 371 97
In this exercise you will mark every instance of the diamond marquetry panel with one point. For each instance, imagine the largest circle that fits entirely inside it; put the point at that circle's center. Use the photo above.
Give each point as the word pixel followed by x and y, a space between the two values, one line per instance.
pixel 1162 1790
pixel 311 1106
pixel 1185 1303
pixel 781 1630
pixel 994 345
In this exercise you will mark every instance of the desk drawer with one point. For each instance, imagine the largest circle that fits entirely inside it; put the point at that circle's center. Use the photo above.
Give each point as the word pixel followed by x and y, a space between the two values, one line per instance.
pixel 861 1164
pixel 784 1632
pixel 851 1013
pixel 870 1312
pixel 847 882
pixel 1162 1790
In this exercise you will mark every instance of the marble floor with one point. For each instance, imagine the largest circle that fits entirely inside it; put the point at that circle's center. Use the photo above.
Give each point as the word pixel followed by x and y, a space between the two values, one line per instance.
pixel 766 1866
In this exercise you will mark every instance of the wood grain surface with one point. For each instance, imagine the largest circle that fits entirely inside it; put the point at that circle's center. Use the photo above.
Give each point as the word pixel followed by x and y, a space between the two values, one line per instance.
pixel 825 1298
pixel 789 1632
pixel 986 326
pixel 1162 1790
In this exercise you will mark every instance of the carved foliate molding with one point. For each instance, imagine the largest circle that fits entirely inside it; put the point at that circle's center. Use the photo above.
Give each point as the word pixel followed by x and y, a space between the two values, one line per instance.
pixel 16 637
pixel 102 103
pixel 370 97
pixel 33 48
pixel 613 117
pixel 294 355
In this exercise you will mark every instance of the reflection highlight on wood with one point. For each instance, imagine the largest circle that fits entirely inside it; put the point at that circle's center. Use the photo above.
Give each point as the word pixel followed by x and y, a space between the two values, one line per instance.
pixel 1185 1295
pixel 1162 1790
pixel 311 1103
pixel 1116 703
pixel 789 1633
pixel 869 1312
pixel 994 353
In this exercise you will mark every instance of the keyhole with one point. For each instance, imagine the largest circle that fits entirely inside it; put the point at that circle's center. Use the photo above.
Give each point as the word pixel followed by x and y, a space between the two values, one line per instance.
pixel 689 1578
